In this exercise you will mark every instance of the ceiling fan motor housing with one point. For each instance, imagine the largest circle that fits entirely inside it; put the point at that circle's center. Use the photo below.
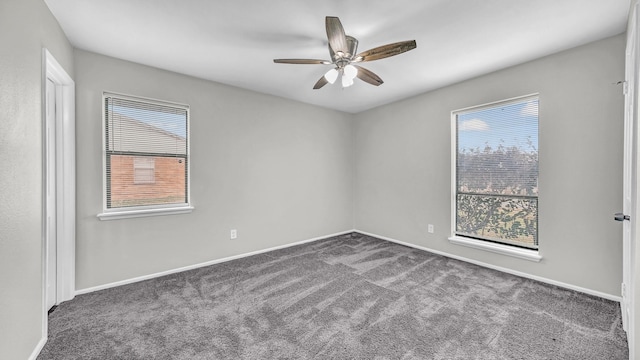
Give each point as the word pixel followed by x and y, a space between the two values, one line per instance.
pixel 341 60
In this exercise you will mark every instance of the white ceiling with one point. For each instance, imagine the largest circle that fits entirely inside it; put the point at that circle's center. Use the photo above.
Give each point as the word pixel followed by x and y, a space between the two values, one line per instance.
pixel 235 41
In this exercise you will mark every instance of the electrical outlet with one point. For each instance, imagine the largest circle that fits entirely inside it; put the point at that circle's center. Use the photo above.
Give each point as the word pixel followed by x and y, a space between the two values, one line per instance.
pixel 430 228
pixel 234 234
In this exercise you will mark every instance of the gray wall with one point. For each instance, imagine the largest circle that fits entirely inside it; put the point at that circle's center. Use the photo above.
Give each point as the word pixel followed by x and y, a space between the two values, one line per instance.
pixel 276 170
pixel 280 171
pixel 403 164
pixel 26 26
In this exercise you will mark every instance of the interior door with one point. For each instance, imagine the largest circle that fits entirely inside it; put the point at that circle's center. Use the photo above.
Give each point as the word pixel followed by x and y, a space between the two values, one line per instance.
pixel 631 201
pixel 50 195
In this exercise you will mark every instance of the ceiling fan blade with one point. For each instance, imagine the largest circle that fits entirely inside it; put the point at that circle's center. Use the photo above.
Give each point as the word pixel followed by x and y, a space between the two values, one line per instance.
pixel 300 61
pixel 384 51
pixel 368 76
pixel 335 35
pixel 321 82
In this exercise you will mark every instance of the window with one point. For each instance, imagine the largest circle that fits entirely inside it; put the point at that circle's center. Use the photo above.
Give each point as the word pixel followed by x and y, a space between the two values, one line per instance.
pixel 495 188
pixel 146 147
pixel 144 170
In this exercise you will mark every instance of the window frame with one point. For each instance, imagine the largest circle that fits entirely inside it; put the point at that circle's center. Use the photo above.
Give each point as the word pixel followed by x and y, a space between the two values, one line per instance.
pixel 146 210
pixel 486 245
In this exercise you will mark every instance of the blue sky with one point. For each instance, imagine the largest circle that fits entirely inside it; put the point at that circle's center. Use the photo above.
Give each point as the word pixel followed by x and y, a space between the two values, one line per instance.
pixel 508 125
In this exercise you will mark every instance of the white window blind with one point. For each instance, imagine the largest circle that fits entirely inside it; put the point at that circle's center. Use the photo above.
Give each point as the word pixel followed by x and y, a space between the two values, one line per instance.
pixel 146 153
pixel 496 190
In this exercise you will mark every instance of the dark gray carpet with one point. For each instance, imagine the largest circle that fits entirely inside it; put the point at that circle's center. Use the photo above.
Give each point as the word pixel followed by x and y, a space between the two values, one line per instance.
pixel 347 297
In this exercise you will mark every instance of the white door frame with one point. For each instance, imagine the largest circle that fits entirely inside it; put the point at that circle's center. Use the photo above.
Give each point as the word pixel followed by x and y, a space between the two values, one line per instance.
pixel 65 180
pixel 631 201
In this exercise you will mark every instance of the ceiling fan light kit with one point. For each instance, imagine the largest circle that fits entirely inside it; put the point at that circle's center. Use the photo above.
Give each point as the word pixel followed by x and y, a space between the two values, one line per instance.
pixel 343 51
pixel 349 72
pixel 332 75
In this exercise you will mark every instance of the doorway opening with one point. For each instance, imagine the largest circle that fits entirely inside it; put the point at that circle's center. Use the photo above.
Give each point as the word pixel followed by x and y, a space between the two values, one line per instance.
pixel 58 262
pixel 51 118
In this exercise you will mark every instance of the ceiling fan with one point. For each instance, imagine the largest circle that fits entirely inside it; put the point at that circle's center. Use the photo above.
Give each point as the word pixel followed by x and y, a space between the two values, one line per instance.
pixel 342 49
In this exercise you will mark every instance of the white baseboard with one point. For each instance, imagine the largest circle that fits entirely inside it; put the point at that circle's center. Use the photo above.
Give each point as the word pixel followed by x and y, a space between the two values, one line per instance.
pixel 208 263
pixel 38 348
pixel 461 258
pixel 499 268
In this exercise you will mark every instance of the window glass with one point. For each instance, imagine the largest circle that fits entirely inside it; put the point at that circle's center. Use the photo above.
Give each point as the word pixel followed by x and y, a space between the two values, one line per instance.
pixel 496 165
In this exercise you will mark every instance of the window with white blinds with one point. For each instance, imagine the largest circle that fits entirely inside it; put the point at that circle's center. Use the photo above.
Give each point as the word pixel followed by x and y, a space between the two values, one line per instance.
pixel 146 153
pixel 496 172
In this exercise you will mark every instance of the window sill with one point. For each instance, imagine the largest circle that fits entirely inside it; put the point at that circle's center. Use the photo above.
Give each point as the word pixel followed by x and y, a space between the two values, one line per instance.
pixel 126 214
pixel 526 254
